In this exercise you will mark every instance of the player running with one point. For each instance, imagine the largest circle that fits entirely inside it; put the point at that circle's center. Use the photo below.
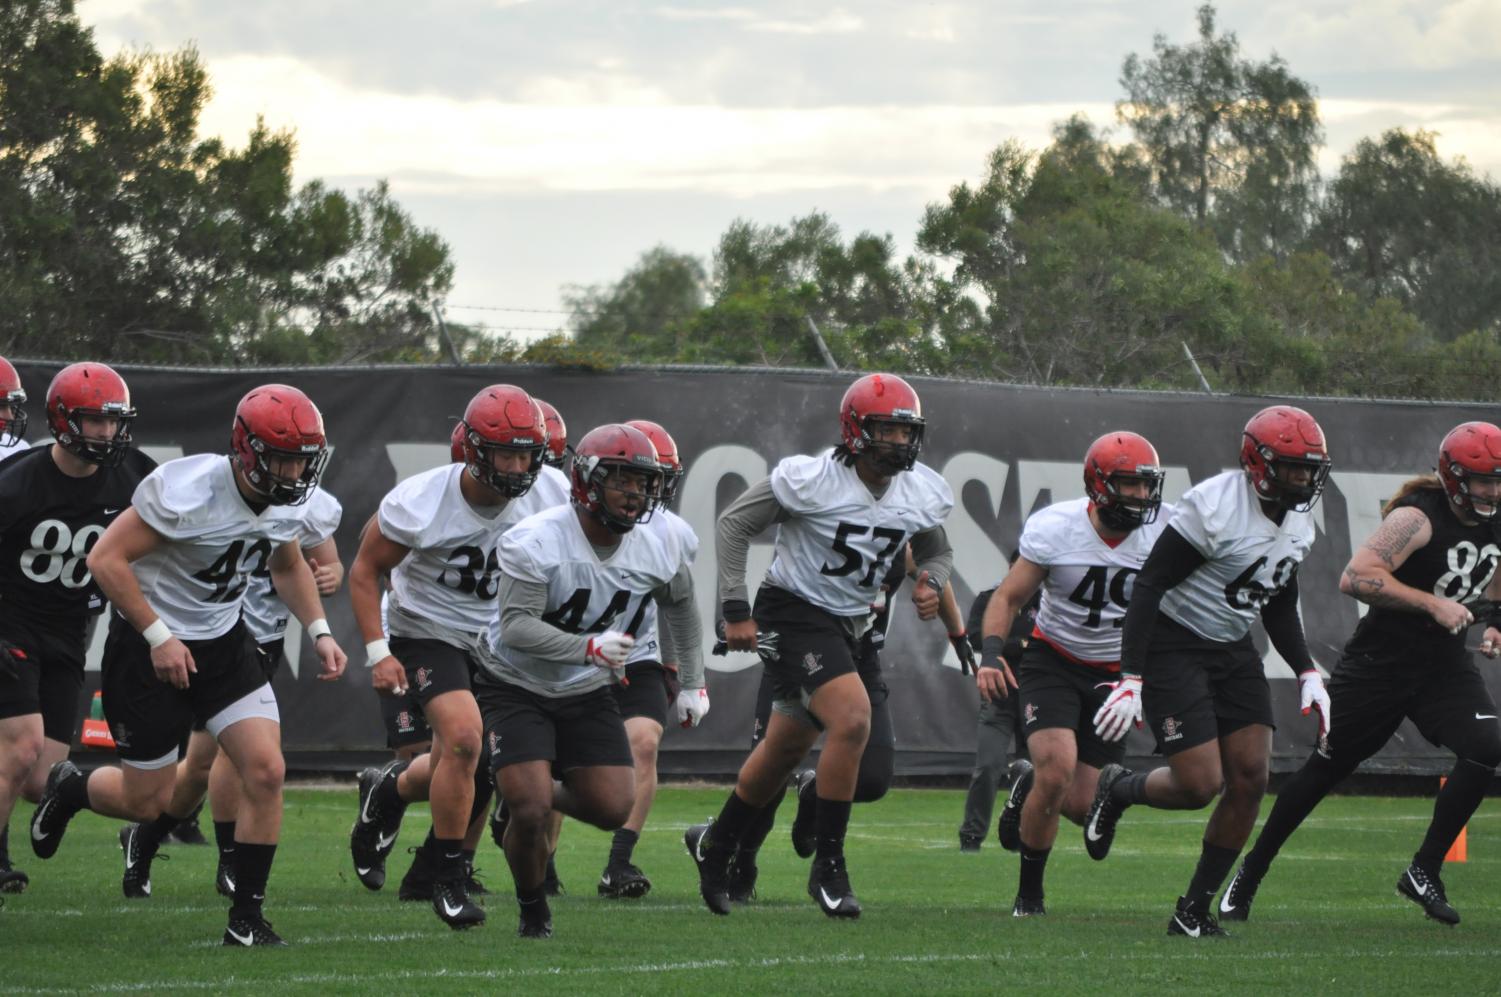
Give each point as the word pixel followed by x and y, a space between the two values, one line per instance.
pixel 1430 562
pixel 1228 556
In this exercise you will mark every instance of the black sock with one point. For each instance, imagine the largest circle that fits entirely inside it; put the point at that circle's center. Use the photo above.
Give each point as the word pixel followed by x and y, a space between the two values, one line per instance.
pixel 623 844
pixel 1215 864
pixel 448 858
pixel 154 832
pixel 833 819
pixel 1456 803
pixel 74 793
pixel 5 846
pixel 1130 789
pixel 732 822
pixel 252 870
pixel 1295 801
pixel 430 843
pixel 1034 864
pixel 224 837
pixel 765 819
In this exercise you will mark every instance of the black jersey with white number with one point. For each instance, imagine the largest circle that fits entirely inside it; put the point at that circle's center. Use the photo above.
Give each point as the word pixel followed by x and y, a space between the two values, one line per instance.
pixel 48 524
pixel 1456 563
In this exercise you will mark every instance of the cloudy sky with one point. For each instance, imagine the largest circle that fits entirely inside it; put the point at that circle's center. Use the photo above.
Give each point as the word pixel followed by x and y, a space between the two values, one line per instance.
pixel 550 142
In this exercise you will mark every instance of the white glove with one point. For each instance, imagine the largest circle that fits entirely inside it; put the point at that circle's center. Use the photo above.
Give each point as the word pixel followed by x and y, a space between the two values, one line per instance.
pixel 1314 697
pixel 609 650
pixel 692 706
pixel 1122 709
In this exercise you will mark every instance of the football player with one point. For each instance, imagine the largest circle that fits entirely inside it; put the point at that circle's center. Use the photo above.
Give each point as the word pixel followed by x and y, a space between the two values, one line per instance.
pixel 1077 703
pixel 557 435
pixel 1229 555
pixel 575 585
pixel 175 566
pixel 654 687
pixel 12 411
pixel 1423 571
pixel 436 538
pixel 55 502
pixel 841 517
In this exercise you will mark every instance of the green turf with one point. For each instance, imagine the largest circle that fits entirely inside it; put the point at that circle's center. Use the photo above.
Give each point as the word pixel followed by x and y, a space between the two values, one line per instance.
pixel 936 921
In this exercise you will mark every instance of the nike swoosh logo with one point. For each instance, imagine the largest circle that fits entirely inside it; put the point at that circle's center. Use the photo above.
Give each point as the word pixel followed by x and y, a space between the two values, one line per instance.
pixel 383 842
pixel 35 835
pixel 1421 891
pixel 1225 906
pixel 242 939
pixel 365 817
pixel 698 846
pixel 604 881
pixel 452 911
pixel 362 871
pixel 110 512
pixel 1190 932
pixel 1091 832
pixel 1485 716
pixel 830 901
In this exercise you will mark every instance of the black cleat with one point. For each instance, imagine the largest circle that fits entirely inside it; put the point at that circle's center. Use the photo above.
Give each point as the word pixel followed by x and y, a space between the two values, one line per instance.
pixel 970 842
pixel 375 829
pixel 248 931
pixel 224 877
pixel 713 867
pixel 1235 903
pixel 742 878
pixel 500 819
pixel 623 882
pixel 1008 829
pixel 418 883
pixel 452 905
pixel 805 824
pixel 12 880
pixel 1191 921
pixel 138 855
pixel 1428 893
pixel 51 817
pixel 472 881
pixel 1028 907
pixel 188 832
pixel 551 884
pixel 829 884
pixel 1099 824
pixel 535 920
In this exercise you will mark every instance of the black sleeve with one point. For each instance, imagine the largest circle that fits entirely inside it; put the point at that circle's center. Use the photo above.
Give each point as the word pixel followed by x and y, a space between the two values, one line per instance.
pixel 977 616
pixel 1172 560
pixel 1284 627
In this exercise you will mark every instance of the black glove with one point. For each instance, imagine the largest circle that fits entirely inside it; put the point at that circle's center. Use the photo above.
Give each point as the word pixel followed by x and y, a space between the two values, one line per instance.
pixel 11 658
pixel 960 642
pixel 992 652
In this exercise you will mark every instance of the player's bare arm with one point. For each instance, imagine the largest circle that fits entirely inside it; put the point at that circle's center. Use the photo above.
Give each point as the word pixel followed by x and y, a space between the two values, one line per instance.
pixel 1015 591
pixel 129 539
pixel 377 557
pixel 293 581
pixel 328 571
pixel 1368 577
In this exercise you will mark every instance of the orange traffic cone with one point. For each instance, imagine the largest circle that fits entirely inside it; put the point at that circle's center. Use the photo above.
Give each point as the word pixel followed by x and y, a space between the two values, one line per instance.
pixel 95 730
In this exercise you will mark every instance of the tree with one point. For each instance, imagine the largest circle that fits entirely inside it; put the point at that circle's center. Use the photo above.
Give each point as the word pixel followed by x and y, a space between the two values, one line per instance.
pixel 647 314
pixel 1232 143
pixel 1399 221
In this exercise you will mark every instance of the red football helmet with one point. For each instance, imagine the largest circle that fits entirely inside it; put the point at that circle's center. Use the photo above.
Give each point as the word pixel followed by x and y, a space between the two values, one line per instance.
pixel 667 453
pixel 620 452
pixel 456 443
pixel 13 426
pixel 277 420
pixel 557 435
pixel 1278 440
pixel 82 389
pixel 1471 450
pixel 1113 459
pixel 877 398
pixel 502 417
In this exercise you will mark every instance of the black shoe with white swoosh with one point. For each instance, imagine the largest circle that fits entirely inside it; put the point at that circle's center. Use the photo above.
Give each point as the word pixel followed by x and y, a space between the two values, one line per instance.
pixel 1008 828
pixel 1099 824
pixel 536 918
pixel 623 881
pixel 829 884
pixel 138 855
pixel 1028 907
pixel 1235 902
pixel 224 877
pixel 713 867
pixel 1192 921
pixel 248 931
pixel 374 832
pixel 1427 891
pixel 452 905
pixel 805 823
pixel 52 815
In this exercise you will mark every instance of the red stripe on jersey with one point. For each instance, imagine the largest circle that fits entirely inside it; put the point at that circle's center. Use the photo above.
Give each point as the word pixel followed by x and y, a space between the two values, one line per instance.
pixel 1113 667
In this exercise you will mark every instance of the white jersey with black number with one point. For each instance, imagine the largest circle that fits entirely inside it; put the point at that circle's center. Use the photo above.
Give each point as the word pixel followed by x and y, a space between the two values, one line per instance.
pixel 584 594
pixel 196 581
pixel 265 613
pixel 451 575
pixel 648 647
pixel 835 548
pixel 1249 557
pixel 1088 583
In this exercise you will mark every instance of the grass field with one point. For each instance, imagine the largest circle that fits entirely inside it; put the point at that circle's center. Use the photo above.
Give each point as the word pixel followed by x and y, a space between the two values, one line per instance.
pixel 936 921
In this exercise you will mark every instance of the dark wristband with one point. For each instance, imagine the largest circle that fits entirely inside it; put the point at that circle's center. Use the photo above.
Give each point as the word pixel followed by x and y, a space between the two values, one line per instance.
pixel 736 611
pixel 992 650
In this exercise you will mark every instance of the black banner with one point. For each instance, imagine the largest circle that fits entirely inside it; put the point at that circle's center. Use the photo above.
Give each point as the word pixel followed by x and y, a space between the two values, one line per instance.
pixel 1005 451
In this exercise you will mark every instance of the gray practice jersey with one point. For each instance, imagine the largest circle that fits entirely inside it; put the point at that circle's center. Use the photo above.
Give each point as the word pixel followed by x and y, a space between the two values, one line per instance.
pixel 265 613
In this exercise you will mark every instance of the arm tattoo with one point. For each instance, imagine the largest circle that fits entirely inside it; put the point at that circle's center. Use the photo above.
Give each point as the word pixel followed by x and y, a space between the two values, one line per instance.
pixel 1393 536
pixel 1372 592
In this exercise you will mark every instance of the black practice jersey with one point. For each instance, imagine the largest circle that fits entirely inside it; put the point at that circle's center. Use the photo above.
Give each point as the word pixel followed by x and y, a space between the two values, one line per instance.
pixel 1457 563
pixel 48 524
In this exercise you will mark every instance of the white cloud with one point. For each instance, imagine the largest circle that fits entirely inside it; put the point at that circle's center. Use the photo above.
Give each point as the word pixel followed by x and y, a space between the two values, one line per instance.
pixel 836 22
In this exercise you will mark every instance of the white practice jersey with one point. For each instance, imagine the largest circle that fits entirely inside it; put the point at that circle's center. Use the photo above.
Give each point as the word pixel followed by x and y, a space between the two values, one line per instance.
pixel 196 581
pixel 648 647
pixel 7 449
pixel 1088 584
pixel 584 594
pixel 451 575
pixel 840 539
pixel 265 613
pixel 1250 558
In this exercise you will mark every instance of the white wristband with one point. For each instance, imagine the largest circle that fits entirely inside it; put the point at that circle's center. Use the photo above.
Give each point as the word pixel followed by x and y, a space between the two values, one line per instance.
pixel 377 650
pixel 319 628
pixel 157 634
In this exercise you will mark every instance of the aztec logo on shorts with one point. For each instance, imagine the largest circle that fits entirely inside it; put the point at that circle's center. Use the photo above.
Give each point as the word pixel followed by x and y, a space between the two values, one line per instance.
pixel 811 663
pixel 1030 713
pixel 1172 730
pixel 494 742
pixel 404 722
pixel 122 736
pixel 424 678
